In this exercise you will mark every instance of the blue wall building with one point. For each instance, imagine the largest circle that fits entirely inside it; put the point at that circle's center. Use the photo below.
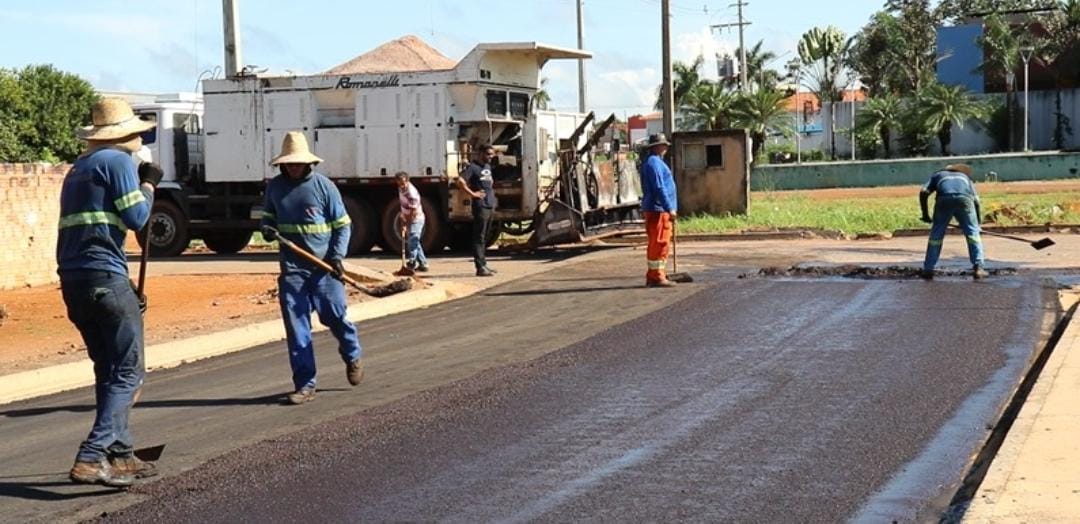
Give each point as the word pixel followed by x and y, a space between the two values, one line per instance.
pixel 960 55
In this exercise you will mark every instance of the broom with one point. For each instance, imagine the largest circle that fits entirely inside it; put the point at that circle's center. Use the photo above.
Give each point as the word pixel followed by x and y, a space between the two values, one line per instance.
pixel 675 275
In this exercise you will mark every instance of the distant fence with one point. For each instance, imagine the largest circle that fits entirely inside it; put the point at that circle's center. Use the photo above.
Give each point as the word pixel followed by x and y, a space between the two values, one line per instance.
pixel 878 173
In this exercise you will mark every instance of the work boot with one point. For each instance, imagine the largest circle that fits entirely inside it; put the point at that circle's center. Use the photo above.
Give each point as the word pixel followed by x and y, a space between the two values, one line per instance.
pixel 978 273
pixel 484 272
pixel 422 269
pixel 99 472
pixel 302 396
pixel 926 274
pixel 132 465
pixel 492 270
pixel 660 283
pixel 354 371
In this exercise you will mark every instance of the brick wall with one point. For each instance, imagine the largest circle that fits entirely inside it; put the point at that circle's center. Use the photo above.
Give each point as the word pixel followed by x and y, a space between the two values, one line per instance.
pixel 29 211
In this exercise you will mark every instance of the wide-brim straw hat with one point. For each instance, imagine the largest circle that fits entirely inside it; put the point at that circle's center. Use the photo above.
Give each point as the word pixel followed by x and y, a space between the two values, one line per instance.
pixel 658 139
pixel 294 150
pixel 959 168
pixel 113 119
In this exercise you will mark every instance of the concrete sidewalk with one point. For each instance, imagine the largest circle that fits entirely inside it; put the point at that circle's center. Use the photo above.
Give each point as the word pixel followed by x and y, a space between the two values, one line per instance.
pixel 1035 476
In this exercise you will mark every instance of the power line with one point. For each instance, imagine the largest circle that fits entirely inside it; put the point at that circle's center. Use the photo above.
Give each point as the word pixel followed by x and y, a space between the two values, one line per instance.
pixel 741 24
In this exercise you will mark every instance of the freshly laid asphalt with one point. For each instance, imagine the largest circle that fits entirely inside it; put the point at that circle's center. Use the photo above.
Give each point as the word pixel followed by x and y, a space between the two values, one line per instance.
pixel 578 395
pixel 764 400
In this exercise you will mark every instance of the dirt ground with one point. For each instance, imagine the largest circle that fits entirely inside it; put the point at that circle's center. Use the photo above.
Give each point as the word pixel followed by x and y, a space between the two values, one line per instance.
pixel 1033 187
pixel 36 332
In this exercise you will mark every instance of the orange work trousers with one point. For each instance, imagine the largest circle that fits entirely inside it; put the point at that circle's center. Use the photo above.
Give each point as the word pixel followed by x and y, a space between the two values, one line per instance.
pixel 658 227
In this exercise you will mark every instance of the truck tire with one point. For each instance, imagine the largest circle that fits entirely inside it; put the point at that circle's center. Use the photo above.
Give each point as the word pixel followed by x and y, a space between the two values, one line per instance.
pixel 168 229
pixel 364 226
pixel 227 242
pixel 432 240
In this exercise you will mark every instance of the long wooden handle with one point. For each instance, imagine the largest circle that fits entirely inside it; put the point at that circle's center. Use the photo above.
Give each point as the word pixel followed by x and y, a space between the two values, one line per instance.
pixel 317 261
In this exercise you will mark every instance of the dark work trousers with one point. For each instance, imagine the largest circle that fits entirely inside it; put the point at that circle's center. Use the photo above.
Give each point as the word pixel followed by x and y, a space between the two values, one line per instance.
pixel 481 224
pixel 104 308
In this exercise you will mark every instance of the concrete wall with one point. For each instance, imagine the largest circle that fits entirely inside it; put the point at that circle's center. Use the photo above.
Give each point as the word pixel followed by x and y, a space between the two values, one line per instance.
pixel 876 173
pixel 712 172
pixel 29 211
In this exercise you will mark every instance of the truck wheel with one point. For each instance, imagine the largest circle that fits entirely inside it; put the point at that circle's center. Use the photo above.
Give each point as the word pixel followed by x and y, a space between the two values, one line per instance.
pixel 227 242
pixel 168 230
pixel 432 240
pixel 364 226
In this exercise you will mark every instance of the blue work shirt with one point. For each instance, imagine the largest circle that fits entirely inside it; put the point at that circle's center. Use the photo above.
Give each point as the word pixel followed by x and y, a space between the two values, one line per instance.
pixel 658 186
pixel 101 199
pixel 951 185
pixel 310 213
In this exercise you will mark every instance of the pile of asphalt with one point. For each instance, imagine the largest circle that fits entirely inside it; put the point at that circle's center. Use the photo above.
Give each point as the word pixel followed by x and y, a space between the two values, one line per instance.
pixel 864 272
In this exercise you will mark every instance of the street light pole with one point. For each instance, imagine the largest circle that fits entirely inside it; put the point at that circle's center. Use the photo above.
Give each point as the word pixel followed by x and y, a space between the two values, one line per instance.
pixel 1025 53
pixel 794 68
pixel 853 91
pixel 581 62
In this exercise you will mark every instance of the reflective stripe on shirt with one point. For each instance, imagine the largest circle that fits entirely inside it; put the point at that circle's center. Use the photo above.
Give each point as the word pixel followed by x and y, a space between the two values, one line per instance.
pixel 341 222
pixel 92 218
pixel 304 229
pixel 128 200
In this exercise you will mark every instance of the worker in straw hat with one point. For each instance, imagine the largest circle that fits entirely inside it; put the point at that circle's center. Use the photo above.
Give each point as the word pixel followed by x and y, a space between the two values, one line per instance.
pixel 659 203
pixel 103 196
pixel 956 197
pixel 306 208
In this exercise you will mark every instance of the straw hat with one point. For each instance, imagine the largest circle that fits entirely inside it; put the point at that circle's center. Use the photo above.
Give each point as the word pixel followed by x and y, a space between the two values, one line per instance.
pixel 113 119
pixel 959 168
pixel 294 150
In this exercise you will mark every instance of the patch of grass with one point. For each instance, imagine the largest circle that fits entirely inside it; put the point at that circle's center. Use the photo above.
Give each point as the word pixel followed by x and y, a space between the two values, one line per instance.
pixel 769 211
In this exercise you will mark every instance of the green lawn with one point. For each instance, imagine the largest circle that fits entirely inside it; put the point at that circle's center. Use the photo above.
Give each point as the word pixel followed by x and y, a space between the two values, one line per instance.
pixel 879 215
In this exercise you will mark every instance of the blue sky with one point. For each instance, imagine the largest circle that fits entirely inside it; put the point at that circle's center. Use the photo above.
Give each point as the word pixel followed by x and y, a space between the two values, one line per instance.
pixel 163 46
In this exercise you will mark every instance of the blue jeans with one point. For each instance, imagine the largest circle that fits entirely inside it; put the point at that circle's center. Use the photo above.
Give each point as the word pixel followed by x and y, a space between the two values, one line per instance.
pixel 945 209
pixel 301 293
pixel 414 254
pixel 106 312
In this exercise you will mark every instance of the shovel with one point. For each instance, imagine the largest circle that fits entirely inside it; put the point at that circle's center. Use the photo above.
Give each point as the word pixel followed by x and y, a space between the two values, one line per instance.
pixel 404 271
pixel 1037 245
pixel 397 286
pixel 150 454
pixel 675 275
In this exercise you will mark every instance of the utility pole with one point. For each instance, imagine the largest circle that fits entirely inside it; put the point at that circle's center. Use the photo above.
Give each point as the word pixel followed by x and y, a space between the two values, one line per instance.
pixel 231 21
pixel 666 90
pixel 741 24
pixel 581 62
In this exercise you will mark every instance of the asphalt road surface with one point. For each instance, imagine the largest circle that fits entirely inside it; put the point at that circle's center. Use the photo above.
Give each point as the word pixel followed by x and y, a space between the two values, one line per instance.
pixel 579 396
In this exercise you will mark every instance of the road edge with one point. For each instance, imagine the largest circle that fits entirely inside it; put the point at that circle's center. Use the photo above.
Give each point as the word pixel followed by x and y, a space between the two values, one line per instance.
pixel 64 377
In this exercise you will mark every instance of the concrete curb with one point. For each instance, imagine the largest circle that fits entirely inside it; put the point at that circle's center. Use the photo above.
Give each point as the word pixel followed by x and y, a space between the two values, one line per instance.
pixel 64 377
pixel 1033 475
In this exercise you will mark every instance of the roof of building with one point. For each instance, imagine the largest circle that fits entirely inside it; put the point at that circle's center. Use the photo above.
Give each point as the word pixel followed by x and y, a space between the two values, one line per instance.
pixel 406 54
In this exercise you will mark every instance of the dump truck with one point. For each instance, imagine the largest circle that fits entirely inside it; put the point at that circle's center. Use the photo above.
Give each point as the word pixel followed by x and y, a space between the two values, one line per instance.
pixel 552 184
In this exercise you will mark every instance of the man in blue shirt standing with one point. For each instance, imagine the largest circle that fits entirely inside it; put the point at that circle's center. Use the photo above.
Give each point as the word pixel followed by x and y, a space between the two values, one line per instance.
pixel 306 208
pixel 477 182
pixel 103 196
pixel 659 203
pixel 956 197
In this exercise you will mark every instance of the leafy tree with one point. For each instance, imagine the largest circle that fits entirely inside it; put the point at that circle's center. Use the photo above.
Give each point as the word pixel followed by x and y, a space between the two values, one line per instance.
pixel 880 117
pixel 761 111
pixel 684 78
pixel 58 103
pixel 1059 54
pixel 542 99
pixel 13 127
pixel 915 58
pixel 825 48
pixel 709 105
pixel 943 107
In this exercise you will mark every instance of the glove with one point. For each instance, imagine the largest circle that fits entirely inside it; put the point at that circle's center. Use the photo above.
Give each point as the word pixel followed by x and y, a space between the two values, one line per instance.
pixel 150 173
pixel 269 234
pixel 141 297
pixel 339 267
pixel 927 219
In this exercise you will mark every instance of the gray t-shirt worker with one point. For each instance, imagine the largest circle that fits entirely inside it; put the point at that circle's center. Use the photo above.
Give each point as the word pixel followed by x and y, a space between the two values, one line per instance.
pixel 476 181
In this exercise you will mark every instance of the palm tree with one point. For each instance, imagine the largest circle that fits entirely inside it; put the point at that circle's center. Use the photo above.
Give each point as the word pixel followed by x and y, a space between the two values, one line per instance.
pixel 762 111
pixel 684 77
pixel 708 106
pixel 1001 47
pixel 882 116
pixel 756 74
pixel 941 107
pixel 542 99
pixel 828 46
